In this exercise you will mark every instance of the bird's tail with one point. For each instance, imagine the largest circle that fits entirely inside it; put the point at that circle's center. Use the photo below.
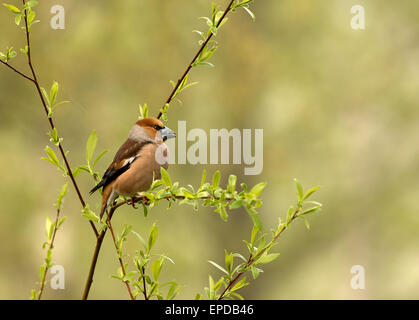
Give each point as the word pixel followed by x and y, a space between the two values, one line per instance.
pixel 108 197
pixel 102 211
pixel 97 187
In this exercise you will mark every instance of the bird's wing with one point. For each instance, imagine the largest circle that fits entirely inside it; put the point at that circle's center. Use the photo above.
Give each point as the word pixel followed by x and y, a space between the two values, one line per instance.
pixel 126 155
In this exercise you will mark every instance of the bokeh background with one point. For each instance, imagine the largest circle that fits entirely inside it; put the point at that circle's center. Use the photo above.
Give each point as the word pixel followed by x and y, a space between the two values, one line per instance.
pixel 339 108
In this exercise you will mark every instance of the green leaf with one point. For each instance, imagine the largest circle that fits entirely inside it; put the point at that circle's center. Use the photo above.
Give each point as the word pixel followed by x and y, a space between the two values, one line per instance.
pixel 60 103
pixel 25 50
pixel 257 189
pixel 218 16
pixel 156 268
pixel 139 238
pixel 229 259
pixel 198 296
pixel 238 255
pixel 311 210
pixel 290 214
pixel 120 273
pixel 237 204
pixel 49 228
pixel 62 220
pixel 156 184
pixel 173 291
pixel 77 171
pixel 125 231
pixel 52 157
pixel 165 177
pixel 45 94
pixel 30 4
pixel 152 236
pixel 218 266
pixel 310 192
pixel 244 186
pixel 18 18
pixel 91 146
pixel 89 214
pixel 255 271
pixel 232 179
pixel 255 217
pixel 128 277
pixel 164 110
pixel 99 157
pixel 48 258
pixel 216 179
pixel 31 16
pixel 143 111
pixel 11 8
pixel 33 295
pixel 41 273
pixel 53 93
pixel 205 63
pixel 54 137
pixel 255 231
pixel 266 258
pixel 211 293
pixel 145 210
pixel 62 194
pixel 242 283
pixel 223 212
pixel 250 13
pixel 167 258
pixel 306 223
pixel 203 178
pixel 208 20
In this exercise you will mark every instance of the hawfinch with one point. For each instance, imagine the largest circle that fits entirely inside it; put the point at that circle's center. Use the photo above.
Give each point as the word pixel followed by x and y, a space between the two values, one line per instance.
pixel 136 162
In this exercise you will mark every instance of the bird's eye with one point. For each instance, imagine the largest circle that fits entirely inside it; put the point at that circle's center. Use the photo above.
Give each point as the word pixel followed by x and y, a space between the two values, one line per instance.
pixel 157 127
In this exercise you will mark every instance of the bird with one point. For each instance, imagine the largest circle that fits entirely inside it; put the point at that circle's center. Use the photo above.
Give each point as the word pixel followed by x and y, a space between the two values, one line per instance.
pixel 136 163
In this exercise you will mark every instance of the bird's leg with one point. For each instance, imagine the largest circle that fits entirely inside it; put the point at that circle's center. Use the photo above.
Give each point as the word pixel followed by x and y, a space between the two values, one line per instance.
pixel 133 201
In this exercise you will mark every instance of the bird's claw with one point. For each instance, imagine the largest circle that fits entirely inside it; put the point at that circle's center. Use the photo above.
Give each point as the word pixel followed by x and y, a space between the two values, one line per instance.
pixel 133 201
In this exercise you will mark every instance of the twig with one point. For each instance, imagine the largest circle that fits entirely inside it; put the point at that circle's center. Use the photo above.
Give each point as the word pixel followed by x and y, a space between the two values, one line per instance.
pixel 89 281
pixel 50 247
pixel 119 257
pixel 50 120
pixel 144 284
pixel 252 258
pixel 189 67
pixel 99 241
pixel 17 71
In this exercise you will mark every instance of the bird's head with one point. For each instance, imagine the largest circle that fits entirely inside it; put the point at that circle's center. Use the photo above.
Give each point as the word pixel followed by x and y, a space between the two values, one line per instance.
pixel 152 128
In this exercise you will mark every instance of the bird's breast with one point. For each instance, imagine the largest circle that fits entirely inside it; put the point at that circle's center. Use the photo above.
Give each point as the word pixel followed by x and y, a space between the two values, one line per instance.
pixel 140 174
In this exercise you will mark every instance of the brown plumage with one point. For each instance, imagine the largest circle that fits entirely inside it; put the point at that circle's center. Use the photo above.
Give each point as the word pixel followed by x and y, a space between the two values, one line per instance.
pixel 134 164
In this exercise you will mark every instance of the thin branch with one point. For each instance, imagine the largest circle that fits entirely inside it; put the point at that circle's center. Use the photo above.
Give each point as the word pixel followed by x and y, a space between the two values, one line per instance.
pixel 50 120
pixel 144 284
pixel 89 281
pixel 252 258
pixel 99 241
pixel 50 247
pixel 189 67
pixel 108 221
pixel 17 71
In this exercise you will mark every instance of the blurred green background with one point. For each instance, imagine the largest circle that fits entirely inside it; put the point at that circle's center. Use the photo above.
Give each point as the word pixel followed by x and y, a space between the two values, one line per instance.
pixel 339 108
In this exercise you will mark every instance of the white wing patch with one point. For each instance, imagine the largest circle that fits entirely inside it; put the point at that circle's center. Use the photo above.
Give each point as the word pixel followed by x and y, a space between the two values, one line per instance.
pixel 129 161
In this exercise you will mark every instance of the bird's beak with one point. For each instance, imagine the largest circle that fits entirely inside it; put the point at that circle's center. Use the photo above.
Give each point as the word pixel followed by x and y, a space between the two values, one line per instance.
pixel 167 133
